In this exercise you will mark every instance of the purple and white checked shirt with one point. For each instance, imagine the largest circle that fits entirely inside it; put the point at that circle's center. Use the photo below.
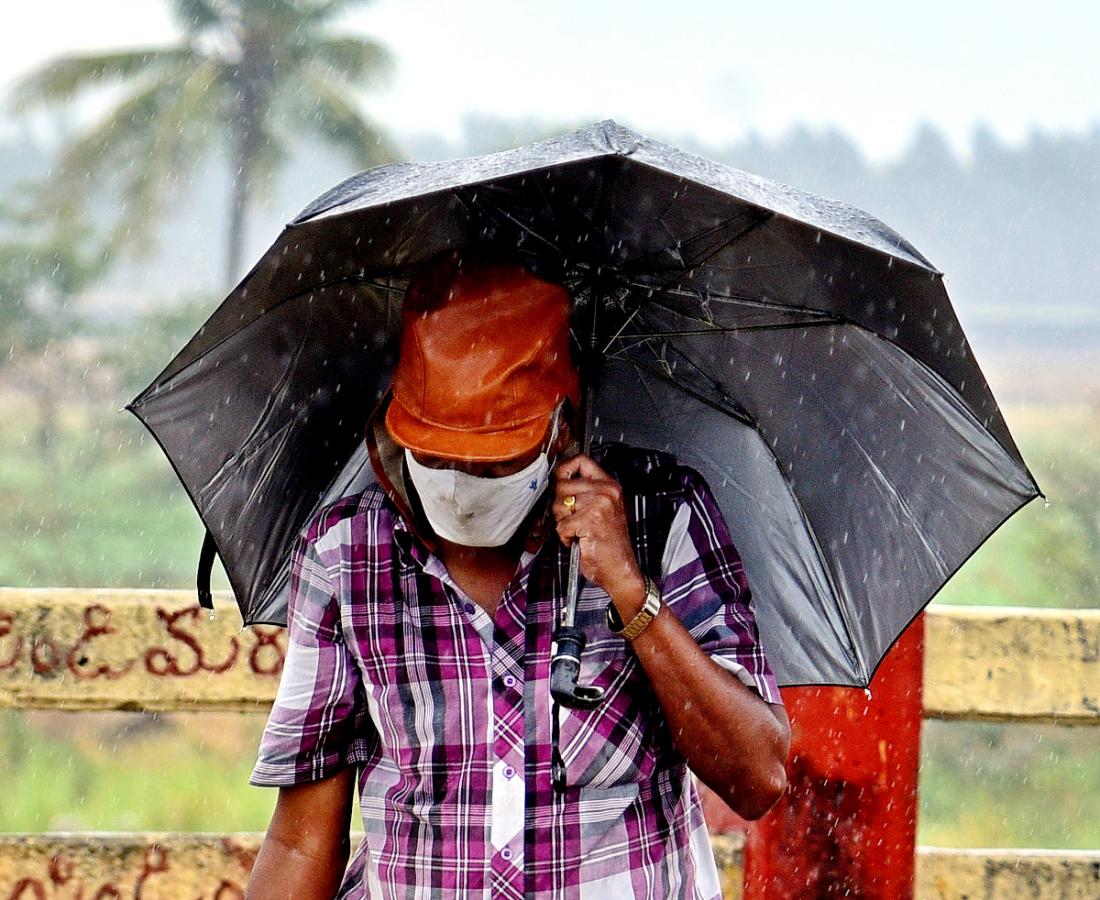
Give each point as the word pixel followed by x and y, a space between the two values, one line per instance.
pixel 445 711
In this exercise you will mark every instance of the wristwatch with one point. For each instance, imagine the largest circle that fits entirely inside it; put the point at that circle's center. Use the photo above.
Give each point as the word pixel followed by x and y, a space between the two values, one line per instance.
pixel 645 615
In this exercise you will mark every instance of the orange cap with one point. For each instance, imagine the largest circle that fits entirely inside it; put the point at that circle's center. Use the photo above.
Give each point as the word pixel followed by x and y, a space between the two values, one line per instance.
pixel 484 359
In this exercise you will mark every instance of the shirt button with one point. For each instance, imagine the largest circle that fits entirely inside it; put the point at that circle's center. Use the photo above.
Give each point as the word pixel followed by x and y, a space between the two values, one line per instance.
pixel 506 853
pixel 509 680
pixel 509 772
pixel 469 607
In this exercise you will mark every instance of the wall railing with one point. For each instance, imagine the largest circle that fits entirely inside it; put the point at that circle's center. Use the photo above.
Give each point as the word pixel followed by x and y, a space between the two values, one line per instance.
pixel 107 649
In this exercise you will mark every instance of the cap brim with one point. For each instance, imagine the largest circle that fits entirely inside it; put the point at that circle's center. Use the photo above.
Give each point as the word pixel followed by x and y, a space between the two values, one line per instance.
pixel 472 446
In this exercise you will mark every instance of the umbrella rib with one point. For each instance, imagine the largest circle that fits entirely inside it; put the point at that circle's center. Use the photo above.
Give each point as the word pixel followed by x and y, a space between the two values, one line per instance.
pixel 743 300
pixel 826 319
pixel 750 226
pixel 586 223
pixel 622 327
pixel 733 412
pixel 715 385
pixel 723 403
pixel 384 287
pixel 625 348
pixel 818 315
pixel 735 329
pixel 649 345
pixel 932 552
pixel 502 214
pixel 747 222
pixel 648 390
pixel 324 285
pixel 834 319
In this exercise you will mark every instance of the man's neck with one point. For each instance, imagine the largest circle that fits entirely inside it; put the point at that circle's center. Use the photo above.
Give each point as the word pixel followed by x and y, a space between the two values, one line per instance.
pixel 482 572
pixel 481 557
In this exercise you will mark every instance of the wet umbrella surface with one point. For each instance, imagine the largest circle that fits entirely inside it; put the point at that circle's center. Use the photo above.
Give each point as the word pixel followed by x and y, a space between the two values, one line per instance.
pixel 800 354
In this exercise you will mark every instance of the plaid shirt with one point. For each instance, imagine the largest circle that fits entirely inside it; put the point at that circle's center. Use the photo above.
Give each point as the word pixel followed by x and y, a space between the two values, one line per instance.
pixel 446 712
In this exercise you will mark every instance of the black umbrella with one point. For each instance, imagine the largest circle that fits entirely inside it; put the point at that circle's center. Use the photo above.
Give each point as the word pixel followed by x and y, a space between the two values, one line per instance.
pixel 800 354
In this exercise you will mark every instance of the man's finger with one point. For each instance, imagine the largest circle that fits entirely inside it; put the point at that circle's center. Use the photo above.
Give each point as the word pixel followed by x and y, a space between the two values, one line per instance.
pixel 581 507
pixel 583 465
pixel 561 510
pixel 579 487
pixel 567 529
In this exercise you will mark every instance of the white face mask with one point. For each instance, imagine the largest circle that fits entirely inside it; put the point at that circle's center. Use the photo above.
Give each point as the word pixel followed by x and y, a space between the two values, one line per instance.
pixel 475 511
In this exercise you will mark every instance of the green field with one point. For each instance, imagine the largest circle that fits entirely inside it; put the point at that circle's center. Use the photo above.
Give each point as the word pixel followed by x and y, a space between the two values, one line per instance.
pixel 101 507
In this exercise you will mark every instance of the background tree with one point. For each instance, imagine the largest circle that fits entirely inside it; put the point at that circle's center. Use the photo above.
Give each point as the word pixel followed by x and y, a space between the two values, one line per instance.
pixel 45 265
pixel 250 76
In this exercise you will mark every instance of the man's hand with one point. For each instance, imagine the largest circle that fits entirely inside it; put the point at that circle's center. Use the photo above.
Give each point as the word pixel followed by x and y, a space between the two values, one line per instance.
pixel 597 519
pixel 735 742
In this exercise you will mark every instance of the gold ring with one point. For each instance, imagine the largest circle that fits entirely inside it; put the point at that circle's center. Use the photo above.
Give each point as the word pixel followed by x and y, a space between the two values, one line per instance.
pixel 570 502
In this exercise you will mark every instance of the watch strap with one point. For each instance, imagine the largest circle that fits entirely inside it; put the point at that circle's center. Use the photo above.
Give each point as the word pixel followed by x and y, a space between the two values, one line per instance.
pixel 650 607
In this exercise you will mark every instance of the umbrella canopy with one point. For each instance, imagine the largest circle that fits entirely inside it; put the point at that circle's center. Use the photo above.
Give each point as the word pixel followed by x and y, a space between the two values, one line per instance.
pixel 799 353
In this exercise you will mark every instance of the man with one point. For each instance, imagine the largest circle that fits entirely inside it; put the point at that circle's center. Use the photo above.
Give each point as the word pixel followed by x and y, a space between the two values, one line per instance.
pixel 420 625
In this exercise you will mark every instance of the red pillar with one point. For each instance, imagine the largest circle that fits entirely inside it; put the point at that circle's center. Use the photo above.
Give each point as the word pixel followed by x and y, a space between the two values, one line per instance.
pixel 847 824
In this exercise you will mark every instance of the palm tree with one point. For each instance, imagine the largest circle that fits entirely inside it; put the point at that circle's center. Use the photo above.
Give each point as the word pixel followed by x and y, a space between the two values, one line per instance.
pixel 254 74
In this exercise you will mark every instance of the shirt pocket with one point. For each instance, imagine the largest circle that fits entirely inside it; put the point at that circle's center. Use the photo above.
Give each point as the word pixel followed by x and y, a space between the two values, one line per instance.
pixel 623 739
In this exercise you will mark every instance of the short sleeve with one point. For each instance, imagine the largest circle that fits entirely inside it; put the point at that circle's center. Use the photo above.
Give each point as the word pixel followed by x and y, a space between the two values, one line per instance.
pixel 318 723
pixel 704 583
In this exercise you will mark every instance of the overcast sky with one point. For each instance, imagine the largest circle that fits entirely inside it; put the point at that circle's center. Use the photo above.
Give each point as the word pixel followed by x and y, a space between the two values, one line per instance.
pixel 718 69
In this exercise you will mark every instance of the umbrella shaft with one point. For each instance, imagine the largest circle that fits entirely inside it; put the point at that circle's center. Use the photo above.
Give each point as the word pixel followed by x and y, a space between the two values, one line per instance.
pixel 572 585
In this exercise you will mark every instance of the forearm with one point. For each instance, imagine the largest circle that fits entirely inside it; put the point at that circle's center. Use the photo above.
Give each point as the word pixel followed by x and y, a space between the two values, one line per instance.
pixel 284 870
pixel 734 741
pixel 305 850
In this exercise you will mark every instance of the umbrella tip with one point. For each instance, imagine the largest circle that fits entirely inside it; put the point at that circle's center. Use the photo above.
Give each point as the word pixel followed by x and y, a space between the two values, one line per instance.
pixel 619 138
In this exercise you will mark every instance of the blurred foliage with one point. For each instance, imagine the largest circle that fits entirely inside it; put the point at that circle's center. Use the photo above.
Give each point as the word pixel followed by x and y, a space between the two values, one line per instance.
pixel 251 76
pixel 1045 555
pixel 131 771
pixel 108 511
pixel 83 474
pixel 137 350
pixel 46 263
pixel 987 785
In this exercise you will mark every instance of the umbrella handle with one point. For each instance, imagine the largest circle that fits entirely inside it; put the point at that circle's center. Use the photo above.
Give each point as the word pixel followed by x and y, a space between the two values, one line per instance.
pixel 565 667
pixel 569 641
